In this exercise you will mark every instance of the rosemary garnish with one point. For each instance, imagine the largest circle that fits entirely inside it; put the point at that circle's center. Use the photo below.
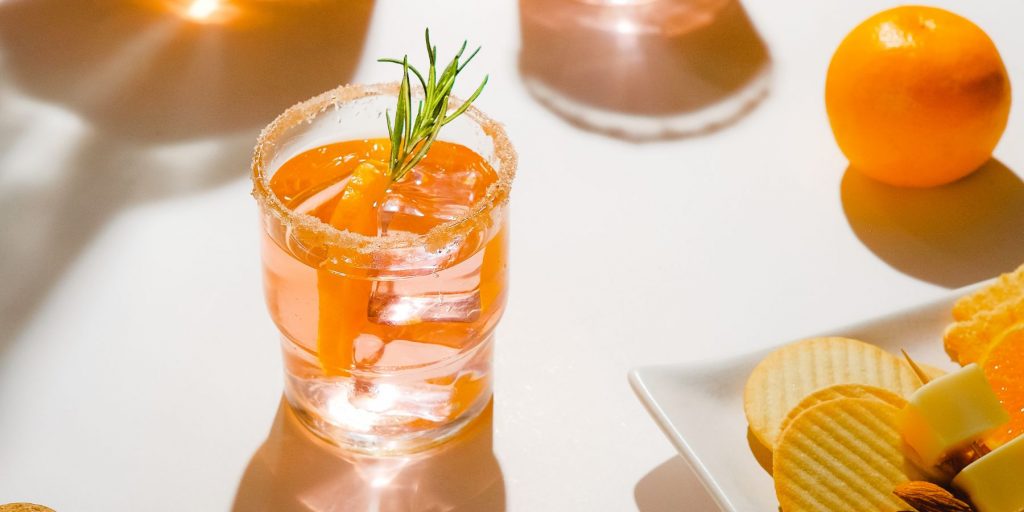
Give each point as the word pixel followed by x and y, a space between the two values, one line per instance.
pixel 411 137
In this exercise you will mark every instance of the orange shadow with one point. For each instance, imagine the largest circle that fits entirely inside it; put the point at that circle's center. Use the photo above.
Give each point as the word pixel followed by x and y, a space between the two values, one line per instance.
pixel 952 235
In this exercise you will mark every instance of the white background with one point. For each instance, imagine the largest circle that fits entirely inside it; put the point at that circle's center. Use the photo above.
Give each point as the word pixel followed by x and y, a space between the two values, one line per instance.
pixel 139 369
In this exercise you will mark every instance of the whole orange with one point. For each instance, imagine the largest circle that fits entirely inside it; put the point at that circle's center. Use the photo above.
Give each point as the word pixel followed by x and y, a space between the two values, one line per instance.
pixel 917 96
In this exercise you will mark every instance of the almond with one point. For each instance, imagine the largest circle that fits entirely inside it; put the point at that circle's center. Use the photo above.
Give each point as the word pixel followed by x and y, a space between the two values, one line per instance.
pixel 928 497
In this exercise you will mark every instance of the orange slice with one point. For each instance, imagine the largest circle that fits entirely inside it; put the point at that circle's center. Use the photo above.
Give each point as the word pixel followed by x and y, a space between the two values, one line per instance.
pixel 492 279
pixel 343 300
pixel 455 334
pixel 1004 368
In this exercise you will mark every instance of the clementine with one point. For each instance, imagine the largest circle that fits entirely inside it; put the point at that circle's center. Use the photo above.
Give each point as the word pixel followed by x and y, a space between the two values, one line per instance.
pixel 917 96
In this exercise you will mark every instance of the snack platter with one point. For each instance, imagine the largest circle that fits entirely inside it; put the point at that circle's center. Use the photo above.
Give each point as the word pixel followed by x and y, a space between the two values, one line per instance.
pixel 701 407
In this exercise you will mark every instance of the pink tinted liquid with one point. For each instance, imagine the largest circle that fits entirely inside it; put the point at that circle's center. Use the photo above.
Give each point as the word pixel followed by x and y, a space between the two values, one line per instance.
pixel 421 362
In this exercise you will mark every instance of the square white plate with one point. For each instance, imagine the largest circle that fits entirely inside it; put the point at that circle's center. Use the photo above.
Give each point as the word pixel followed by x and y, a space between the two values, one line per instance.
pixel 700 408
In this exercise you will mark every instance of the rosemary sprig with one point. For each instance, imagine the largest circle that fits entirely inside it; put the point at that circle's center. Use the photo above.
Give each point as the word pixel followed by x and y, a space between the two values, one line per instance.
pixel 411 136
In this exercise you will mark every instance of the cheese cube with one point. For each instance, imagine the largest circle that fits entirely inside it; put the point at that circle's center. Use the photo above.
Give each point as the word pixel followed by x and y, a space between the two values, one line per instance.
pixel 949 413
pixel 995 482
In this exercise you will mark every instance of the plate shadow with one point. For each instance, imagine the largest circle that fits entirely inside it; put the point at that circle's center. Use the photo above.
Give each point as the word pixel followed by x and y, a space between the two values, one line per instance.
pixel 951 235
pixel 671 487
pixel 295 472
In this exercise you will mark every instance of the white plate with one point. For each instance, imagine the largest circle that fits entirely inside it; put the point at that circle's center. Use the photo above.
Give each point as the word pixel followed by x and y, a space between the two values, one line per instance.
pixel 700 408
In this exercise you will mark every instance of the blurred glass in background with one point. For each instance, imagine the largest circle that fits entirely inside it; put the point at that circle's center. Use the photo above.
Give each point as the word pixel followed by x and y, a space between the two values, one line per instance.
pixel 643 69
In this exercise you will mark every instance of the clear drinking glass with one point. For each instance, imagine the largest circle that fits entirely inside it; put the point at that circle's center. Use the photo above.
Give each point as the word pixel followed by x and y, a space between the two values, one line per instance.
pixel 434 278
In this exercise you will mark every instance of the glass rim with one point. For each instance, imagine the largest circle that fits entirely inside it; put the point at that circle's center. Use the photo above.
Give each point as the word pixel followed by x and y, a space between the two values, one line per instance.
pixel 497 193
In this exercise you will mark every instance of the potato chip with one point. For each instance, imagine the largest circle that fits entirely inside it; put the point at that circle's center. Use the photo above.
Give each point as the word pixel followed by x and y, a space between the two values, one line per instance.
pixel 967 341
pixel 843 454
pixel 1008 288
pixel 24 507
pixel 842 391
pixel 792 372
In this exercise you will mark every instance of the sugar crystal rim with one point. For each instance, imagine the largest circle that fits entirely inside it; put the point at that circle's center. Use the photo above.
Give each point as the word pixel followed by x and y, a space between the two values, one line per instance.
pixel 496 194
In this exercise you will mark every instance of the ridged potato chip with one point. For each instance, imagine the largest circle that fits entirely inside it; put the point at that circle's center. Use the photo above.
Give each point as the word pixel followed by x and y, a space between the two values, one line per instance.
pixel 1008 288
pixel 842 391
pixel 844 454
pixel 24 507
pixel 792 372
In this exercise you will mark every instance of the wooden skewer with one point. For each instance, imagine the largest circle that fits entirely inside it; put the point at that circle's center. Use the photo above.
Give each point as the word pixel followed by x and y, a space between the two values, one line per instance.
pixel 917 369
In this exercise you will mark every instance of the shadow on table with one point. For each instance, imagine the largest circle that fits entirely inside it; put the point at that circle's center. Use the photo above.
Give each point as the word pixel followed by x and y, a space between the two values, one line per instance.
pixel 952 235
pixel 143 70
pixel 141 77
pixel 671 487
pixel 296 472
pixel 674 69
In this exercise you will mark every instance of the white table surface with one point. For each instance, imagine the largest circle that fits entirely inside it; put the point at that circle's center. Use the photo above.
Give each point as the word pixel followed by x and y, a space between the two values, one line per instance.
pixel 140 371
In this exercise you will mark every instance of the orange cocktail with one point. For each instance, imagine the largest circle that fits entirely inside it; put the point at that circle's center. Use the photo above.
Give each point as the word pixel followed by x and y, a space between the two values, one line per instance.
pixel 386 293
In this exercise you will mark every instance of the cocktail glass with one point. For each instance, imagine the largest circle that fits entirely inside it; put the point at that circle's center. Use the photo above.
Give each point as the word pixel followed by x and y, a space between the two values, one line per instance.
pixel 387 338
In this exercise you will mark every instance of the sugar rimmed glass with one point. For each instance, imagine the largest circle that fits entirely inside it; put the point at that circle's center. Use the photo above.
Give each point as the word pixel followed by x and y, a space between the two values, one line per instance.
pixel 422 362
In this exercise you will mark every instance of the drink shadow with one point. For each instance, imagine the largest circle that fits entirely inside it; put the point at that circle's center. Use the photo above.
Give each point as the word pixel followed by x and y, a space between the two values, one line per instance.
pixel 146 83
pixel 293 471
pixel 952 235
pixel 644 70
pixel 144 70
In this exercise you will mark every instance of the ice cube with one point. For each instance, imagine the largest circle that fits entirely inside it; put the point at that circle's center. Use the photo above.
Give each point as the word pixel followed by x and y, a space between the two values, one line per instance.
pixel 402 309
pixel 428 197
pixel 368 349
